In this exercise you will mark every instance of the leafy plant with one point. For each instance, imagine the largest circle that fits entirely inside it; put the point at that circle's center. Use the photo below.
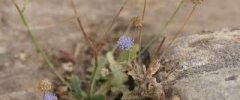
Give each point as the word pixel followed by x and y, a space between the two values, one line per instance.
pixel 118 69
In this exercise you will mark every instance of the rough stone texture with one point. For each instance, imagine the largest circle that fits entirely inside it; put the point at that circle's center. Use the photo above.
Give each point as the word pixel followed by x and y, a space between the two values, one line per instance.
pixel 207 65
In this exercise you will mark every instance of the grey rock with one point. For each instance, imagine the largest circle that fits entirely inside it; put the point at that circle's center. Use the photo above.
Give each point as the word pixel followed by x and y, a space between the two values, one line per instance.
pixel 206 65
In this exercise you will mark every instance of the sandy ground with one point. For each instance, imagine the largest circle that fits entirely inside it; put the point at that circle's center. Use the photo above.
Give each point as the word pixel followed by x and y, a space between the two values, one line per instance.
pixel 56 30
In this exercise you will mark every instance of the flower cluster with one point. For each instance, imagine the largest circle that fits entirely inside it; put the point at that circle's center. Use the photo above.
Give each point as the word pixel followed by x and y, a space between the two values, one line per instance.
pixel 49 96
pixel 125 42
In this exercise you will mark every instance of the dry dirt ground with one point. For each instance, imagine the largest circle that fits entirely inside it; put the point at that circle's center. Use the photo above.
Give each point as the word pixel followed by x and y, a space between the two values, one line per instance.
pixel 51 20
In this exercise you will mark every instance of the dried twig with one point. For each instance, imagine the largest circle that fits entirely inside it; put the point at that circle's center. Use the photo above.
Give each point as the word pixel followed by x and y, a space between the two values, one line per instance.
pixel 181 28
pixel 92 80
pixel 158 53
pixel 164 27
pixel 140 30
pixel 81 27
pixel 113 21
pixel 76 51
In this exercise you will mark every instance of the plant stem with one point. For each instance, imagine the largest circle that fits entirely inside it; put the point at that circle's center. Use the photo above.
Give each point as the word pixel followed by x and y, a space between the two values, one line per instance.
pixel 158 53
pixel 92 80
pixel 36 44
pixel 24 5
pixel 113 21
pixel 93 77
pixel 140 31
pixel 144 9
pixel 181 28
pixel 164 27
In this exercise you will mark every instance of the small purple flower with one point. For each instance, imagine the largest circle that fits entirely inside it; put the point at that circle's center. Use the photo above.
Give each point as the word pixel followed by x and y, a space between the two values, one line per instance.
pixel 125 42
pixel 49 96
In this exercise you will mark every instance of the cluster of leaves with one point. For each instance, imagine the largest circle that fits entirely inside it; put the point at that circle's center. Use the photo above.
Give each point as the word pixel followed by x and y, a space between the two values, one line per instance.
pixel 113 81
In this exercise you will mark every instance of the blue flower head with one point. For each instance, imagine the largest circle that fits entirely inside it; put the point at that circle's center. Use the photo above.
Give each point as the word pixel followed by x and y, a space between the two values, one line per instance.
pixel 125 42
pixel 49 96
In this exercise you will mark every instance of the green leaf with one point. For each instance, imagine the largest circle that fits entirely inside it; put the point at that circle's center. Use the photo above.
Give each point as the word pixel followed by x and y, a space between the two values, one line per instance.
pixel 76 88
pixel 130 55
pixel 118 76
pixel 102 62
pixel 96 97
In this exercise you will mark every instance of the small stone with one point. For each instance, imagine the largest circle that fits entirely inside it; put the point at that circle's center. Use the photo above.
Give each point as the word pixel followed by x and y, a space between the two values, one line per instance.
pixel 68 67
pixel 22 56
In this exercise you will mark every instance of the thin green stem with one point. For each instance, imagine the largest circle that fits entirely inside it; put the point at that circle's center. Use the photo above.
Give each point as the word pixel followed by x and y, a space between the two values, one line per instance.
pixel 93 77
pixel 181 28
pixel 164 27
pixel 36 44
pixel 24 5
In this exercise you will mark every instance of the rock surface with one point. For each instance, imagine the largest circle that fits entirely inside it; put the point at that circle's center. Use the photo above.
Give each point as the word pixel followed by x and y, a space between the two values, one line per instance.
pixel 206 65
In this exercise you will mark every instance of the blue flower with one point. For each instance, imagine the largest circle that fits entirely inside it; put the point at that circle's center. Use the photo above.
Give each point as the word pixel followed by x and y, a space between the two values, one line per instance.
pixel 125 42
pixel 49 96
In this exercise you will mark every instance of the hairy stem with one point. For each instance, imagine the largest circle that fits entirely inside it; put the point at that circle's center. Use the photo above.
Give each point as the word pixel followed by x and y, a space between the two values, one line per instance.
pixel 36 44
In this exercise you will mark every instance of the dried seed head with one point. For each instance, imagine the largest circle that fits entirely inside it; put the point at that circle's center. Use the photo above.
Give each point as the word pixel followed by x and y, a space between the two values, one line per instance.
pixel 45 85
pixel 152 68
pixel 137 22
pixel 197 1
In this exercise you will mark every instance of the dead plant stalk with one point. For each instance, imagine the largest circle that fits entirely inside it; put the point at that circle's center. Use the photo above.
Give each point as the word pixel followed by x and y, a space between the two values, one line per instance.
pixel 164 27
pixel 92 80
pixel 181 28
pixel 140 31
pixel 113 21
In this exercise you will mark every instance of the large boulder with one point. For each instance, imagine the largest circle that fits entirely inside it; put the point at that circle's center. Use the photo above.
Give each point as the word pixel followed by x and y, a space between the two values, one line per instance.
pixel 206 65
